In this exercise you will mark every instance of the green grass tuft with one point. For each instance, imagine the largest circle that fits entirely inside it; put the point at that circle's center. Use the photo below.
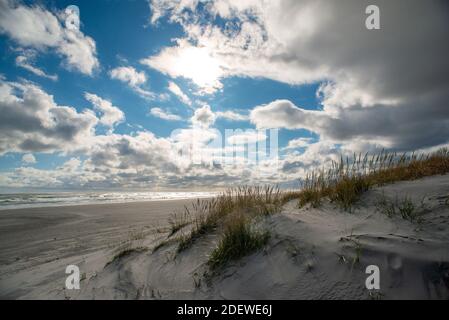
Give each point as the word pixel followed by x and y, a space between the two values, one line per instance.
pixel 238 240
pixel 404 208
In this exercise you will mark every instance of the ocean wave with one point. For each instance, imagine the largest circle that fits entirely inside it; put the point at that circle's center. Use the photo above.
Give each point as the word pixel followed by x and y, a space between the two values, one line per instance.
pixel 30 200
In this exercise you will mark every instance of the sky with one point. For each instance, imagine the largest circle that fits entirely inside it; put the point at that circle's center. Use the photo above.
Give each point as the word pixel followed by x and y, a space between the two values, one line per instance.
pixel 190 94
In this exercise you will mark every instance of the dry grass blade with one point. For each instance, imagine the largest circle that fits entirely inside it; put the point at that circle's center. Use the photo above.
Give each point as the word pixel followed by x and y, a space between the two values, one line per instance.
pixel 345 181
pixel 208 215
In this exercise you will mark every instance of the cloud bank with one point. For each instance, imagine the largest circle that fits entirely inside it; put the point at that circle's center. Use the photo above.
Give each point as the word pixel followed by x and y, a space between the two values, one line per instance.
pixel 386 88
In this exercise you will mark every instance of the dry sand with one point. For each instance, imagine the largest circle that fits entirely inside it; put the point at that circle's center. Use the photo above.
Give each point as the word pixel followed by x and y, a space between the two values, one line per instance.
pixel 312 254
pixel 36 244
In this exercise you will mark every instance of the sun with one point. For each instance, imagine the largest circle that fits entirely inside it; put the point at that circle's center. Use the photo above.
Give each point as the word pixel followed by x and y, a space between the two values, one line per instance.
pixel 198 64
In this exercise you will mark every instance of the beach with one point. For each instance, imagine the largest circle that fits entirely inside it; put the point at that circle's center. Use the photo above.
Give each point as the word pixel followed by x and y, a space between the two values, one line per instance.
pixel 129 251
pixel 37 243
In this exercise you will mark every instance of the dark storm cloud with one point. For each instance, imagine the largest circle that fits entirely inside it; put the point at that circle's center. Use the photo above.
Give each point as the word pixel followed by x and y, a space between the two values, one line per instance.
pixel 389 86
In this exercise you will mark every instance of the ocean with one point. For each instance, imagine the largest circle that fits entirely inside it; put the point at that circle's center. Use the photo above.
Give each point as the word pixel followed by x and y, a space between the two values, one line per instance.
pixel 31 200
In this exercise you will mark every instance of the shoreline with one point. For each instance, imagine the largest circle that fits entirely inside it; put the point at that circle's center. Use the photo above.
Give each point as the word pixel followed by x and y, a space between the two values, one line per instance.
pixel 98 205
pixel 104 202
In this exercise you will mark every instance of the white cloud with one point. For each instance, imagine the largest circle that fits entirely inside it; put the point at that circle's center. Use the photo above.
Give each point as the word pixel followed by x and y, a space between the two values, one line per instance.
pixel 316 156
pixel 133 79
pixel 203 117
pixel 25 60
pixel 159 8
pixel 31 121
pixel 144 93
pixel 111 115
pixel 69 174
pixel 176 90
pixel 298 143
pixel 232 115
pixel 128 75
pixel 28 158
pixel 400 127
pixel 80 52
pixel 36 27
pixel 158 112
pixel 284 114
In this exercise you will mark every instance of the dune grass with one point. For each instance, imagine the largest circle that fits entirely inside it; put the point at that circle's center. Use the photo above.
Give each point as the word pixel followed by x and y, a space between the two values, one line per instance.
pixel 239 239
pixel 231 215
pixel 177 221
pixel 348 179
pixel 222 212
pixel 404 208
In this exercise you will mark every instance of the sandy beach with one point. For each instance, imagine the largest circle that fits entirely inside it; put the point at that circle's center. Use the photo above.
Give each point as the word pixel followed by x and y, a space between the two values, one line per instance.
pixel 313 253
pixel 36 238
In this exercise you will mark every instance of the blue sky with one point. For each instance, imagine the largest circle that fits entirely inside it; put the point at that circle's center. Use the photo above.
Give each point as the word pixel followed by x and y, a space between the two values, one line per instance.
pixel 320 91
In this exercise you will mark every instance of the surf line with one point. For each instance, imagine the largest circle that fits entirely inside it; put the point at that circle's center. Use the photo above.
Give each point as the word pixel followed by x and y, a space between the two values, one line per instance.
pixel 186 310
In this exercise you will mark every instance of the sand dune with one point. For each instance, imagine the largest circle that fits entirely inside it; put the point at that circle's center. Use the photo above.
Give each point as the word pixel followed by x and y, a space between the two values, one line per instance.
pixel 313 253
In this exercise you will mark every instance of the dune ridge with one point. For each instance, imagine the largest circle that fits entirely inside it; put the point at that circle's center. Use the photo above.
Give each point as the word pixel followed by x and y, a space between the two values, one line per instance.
pixel 314 253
